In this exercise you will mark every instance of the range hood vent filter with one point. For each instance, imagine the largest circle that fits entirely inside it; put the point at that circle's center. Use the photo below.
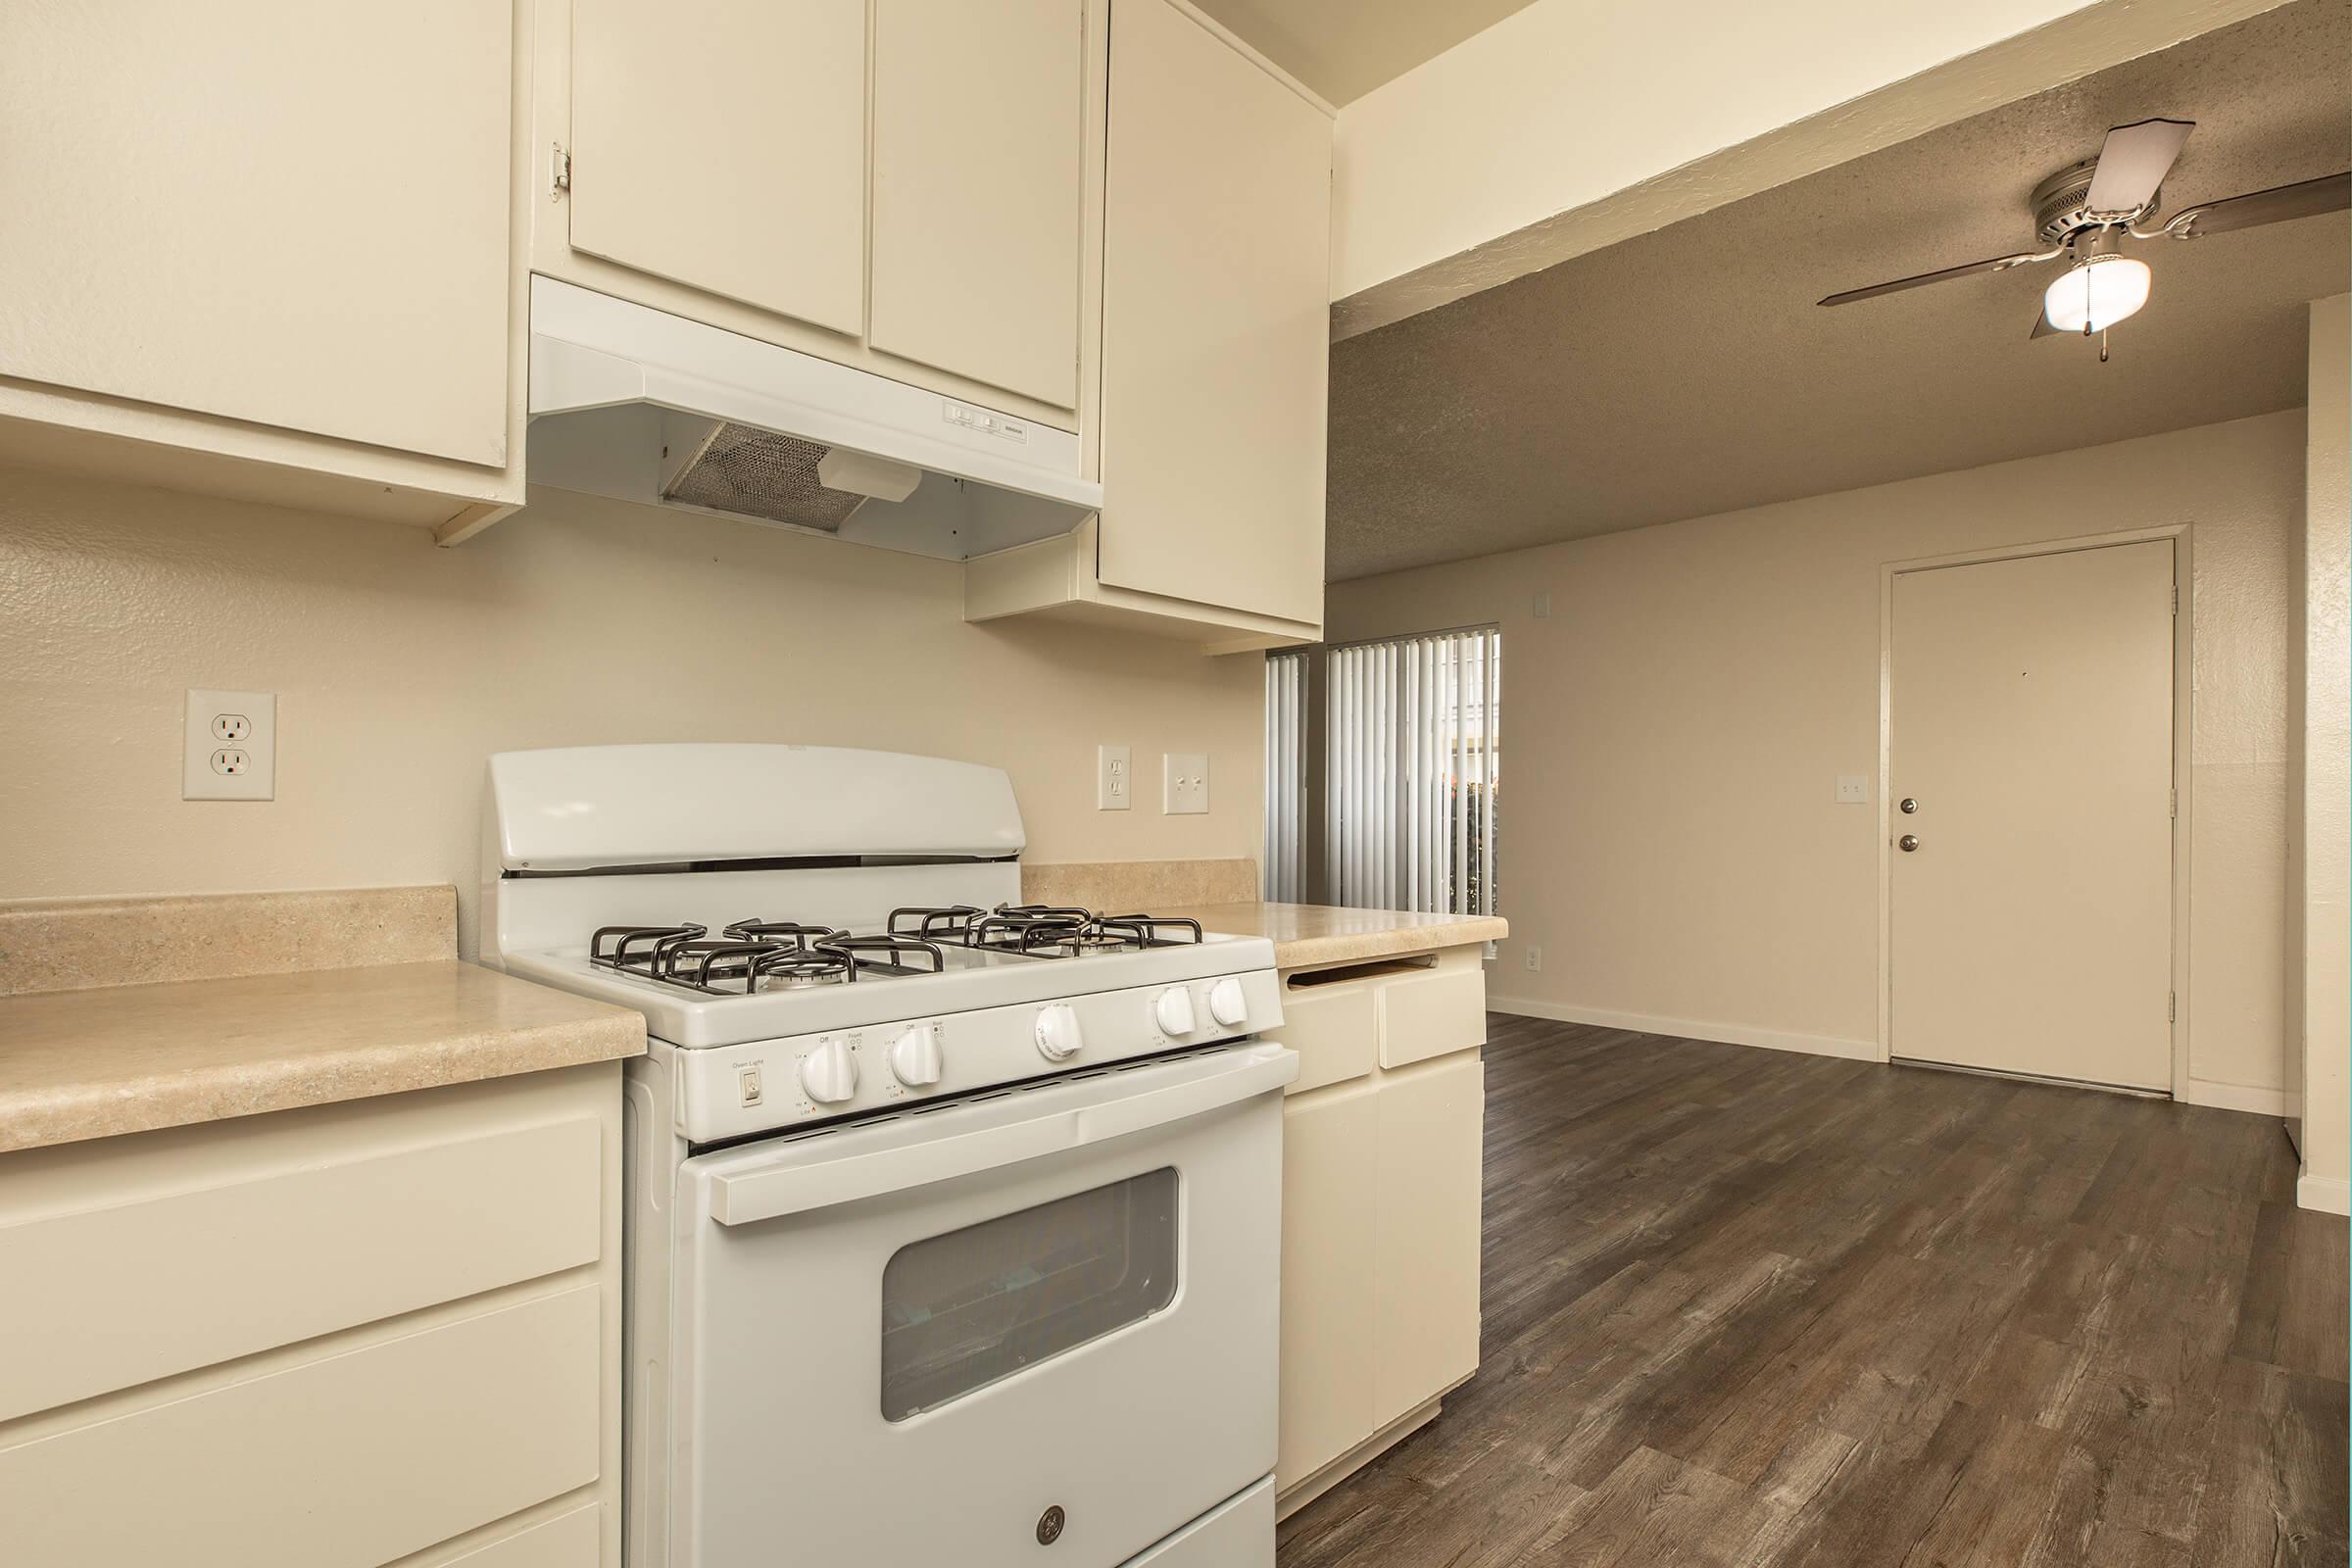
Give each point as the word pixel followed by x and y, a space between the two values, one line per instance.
pixel 758 473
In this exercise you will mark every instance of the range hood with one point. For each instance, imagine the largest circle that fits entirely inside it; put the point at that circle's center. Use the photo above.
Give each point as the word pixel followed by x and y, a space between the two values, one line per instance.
pixel 636 404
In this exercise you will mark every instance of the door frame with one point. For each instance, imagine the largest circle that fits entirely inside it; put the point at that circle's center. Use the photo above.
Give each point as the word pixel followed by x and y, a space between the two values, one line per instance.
pixel 2181 536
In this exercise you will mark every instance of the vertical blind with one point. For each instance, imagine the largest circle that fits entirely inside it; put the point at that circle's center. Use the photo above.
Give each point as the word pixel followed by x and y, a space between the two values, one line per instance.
pixel 1282 874
pixel 1412 761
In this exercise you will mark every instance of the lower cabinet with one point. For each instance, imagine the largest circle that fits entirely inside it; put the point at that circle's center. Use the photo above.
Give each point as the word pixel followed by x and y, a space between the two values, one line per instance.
pixel 1330 1248
pixel 333 1338
pixel 1425 1202
pixel 1379 1208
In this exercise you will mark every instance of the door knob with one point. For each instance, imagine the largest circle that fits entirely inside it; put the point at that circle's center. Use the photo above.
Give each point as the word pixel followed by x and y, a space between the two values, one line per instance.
pixel 1909 805
pixel 1907 843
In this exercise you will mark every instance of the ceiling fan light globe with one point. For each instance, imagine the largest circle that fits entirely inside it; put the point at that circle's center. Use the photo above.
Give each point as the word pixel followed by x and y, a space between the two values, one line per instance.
pixel 2096 293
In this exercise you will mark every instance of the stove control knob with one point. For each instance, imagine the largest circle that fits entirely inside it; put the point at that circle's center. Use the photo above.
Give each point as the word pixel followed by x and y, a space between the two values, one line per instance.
pixel 829 1073
pixel 915 1056
pixel 1227 1005
pixel 1174 1010
pixel 1058 1034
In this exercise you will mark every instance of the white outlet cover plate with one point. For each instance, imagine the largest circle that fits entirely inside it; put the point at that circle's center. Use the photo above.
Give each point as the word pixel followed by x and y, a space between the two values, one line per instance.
pixel 223 722
pixel 1114 779
pixel 1184 783
pixel 1853 788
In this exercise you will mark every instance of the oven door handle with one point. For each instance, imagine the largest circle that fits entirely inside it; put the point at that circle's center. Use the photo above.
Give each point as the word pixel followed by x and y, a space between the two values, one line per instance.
pixel 746 1197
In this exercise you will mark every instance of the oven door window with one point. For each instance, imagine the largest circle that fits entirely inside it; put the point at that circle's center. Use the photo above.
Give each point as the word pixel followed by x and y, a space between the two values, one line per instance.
pixel 974 1306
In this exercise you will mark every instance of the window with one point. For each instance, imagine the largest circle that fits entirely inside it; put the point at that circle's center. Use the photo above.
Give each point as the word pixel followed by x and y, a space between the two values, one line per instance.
pixel 1281 873
pixel 1412 757
pixel 974 1306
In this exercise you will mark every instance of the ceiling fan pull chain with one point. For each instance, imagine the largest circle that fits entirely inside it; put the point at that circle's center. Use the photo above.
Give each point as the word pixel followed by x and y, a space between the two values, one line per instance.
pixel 2103 348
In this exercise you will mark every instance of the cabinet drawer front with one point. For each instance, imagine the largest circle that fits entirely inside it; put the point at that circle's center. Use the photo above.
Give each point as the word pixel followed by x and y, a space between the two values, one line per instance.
pixel 274 1250
pixel 1332 1028
pixel 1432 1015
pixel 574 1540
pixel 344 1462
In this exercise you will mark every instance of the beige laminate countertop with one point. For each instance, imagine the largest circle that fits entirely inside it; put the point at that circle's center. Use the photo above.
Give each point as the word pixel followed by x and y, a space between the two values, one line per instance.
pixel 1319 933
pixel 112 1059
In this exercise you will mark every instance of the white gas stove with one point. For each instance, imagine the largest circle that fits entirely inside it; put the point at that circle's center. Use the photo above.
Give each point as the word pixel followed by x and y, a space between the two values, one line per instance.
pixel 915 1170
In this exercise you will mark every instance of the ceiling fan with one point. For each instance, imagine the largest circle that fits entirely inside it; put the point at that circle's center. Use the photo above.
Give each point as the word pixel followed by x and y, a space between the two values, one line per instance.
pixel 2085 211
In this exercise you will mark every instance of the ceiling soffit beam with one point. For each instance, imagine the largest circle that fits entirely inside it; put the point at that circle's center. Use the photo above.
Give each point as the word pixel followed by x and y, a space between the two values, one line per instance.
pixel 1418 171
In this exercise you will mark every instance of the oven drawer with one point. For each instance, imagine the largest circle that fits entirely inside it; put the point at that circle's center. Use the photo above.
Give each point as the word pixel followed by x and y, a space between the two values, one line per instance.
pixel 1238 1534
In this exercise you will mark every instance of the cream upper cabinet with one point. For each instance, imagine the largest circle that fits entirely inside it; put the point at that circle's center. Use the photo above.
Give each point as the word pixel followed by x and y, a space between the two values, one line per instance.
pixel 979 189
pixel 1215 321
pixel 722 143
pixel 286 215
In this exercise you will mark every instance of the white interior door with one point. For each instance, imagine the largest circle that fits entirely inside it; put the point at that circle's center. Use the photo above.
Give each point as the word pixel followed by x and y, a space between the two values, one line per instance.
pixel 2031 888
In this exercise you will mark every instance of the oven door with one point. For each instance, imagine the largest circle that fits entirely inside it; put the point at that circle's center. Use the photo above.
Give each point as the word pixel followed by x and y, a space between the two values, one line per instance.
pixel 1046 1317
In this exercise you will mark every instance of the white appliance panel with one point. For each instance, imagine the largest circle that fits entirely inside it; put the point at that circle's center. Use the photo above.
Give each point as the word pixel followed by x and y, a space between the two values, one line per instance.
pixel 780 1328
pixel 584 808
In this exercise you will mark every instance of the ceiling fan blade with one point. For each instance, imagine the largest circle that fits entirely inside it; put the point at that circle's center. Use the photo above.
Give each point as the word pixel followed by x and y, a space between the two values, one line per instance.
pixel 2330 193
pixel 1998 264
pixel 2133 162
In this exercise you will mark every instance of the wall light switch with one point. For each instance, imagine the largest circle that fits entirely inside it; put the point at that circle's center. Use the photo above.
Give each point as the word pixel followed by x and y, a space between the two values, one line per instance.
pixel 1543 607
pixel 1853 788
pixel 229 750
pixel 1114 779
pixel 1184 783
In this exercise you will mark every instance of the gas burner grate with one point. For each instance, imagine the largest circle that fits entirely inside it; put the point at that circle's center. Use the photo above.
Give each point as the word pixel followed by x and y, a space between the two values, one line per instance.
pixel 1045 931
pixel 949 922
pixel 752 955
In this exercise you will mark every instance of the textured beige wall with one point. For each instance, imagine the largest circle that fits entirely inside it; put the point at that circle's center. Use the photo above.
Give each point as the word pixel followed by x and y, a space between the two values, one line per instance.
pixel 2325 860
pixel 1672 730
pixel 400 667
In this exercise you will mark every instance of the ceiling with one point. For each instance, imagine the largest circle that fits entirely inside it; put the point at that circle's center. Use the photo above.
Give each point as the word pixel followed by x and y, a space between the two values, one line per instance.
pixel 1688 371
pixel 1343 49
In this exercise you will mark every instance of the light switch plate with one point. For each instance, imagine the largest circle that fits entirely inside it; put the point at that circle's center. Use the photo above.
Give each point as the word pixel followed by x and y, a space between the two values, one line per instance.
pixel 1114 779
pixel 1543 607
pixel 1853 788
pixel 229 748
pixel 1184 783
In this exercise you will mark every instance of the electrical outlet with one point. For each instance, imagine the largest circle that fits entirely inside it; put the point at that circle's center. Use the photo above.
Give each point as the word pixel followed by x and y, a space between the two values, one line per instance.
pixel 1184 783
pixel 1535 957
pixel 1114 779
pixel 229 749
pixel 1853 788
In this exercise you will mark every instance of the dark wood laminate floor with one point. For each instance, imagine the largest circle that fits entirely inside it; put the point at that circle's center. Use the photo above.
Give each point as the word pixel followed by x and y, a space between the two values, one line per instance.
pixel 1746 1308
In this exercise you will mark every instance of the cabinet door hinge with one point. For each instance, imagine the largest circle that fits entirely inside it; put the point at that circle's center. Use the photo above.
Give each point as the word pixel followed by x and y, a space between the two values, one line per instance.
pixel 2171 1005
pixel 559 170
pixel 2176 598
pixel 2173 810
